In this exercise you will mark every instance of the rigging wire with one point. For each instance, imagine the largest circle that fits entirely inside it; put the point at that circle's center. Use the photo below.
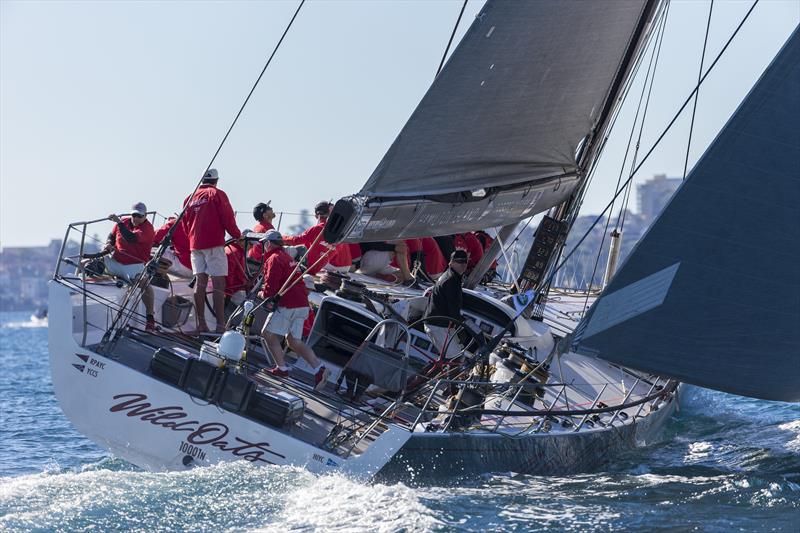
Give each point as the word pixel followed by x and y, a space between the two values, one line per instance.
pixel 615 115
pixel 699 73
pixel 657 141
pixel 653 55
pixel 452 35
pixel 580 194
pixel 629 186
pixel 654 62
pixel 133 295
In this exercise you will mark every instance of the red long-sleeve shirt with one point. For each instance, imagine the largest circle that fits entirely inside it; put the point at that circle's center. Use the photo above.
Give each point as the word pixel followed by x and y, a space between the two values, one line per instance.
pixel 256 250
pixel 486 241
pixel 341 257
pixel 277 269
pixel 180 241
pixel 473 247
pixel 355 251
pixel 307 238
pixel 434 260
pixel 133 252
pixel 236 280
pixel 208 216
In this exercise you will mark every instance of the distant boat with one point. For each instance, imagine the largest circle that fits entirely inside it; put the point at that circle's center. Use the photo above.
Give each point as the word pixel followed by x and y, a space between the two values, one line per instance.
pixel 40 315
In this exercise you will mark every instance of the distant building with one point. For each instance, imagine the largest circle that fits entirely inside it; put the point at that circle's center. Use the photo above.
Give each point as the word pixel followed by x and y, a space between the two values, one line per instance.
pixel 654 194
pixel 24 272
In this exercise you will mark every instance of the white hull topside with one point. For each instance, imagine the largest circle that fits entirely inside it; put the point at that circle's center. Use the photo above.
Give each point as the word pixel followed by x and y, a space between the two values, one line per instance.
pixel 156 426
pixel 159 427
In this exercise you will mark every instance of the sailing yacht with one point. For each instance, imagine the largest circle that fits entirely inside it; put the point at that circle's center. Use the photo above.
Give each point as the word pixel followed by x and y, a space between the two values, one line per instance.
pixel 512 127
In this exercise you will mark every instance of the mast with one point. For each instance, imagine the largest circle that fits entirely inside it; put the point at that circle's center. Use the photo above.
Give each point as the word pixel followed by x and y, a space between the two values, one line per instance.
pixel 553 229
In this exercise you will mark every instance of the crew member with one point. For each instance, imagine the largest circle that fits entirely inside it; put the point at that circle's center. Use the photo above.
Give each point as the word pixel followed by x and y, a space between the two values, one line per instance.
pixel 486 241
pixel 314 257
pixel 236 283
pixel 288 311
pixel 471 244
pixel 129 243
pixel 376 258
pixel 177 252
pixel 341 261
pixel 208 215
pixel 434 261
pixel 407 262
pixel 264 215
pixel 445 305
pixel 355 255
pixel 446 244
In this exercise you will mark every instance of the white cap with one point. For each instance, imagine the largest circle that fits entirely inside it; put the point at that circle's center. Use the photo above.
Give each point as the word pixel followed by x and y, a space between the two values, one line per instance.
pixel 139 208
pixel 273 235
pixel 211 174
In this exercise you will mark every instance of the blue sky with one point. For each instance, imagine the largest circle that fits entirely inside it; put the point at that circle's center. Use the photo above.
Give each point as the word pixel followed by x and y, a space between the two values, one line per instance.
pixel 103 104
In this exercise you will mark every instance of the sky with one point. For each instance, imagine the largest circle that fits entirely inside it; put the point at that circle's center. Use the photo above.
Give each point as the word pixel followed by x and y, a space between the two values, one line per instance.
pixel 103 104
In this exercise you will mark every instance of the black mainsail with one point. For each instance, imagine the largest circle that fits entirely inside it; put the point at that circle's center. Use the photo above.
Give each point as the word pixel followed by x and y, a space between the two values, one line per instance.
pixel 502 132
pixel 711 294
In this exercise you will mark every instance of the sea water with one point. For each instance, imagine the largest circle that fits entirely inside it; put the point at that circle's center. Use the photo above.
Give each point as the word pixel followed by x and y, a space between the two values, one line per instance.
pixel 725 464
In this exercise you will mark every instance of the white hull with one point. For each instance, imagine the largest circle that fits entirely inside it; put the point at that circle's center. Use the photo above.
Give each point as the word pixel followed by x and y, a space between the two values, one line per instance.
pixel 156 426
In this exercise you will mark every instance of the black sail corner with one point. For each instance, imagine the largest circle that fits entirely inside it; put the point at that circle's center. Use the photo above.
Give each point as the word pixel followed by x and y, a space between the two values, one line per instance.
pixel 711 294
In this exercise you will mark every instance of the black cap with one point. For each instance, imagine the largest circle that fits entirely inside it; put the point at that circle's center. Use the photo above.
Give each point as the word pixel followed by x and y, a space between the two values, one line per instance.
pixel 459 256
pixel 260 209
pixel 323 208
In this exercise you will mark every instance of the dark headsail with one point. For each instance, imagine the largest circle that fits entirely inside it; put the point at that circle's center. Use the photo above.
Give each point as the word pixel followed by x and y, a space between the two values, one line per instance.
pixel 711 294
pixel 497 137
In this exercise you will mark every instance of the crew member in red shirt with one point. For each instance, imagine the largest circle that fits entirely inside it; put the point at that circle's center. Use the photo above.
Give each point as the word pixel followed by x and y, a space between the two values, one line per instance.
pixel 208 215
pixel 486 241
pixel 355 254
pixel 288 311
pixel 264 216
pixel 434 260
pixel 129 244
pixel 178 251
pixel 236 283
pixel 307 238
pixel 470 244
pixel 341 260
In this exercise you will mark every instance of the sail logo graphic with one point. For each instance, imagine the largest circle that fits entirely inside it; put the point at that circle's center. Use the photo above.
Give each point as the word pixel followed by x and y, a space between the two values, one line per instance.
pixel 521 301
pixel 628 302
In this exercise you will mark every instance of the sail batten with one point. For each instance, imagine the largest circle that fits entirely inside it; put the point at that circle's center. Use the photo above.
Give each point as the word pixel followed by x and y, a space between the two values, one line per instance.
pixel 730 317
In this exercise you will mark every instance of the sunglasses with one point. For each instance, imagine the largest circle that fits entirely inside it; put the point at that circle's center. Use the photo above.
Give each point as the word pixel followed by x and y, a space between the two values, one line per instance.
pixel 137 215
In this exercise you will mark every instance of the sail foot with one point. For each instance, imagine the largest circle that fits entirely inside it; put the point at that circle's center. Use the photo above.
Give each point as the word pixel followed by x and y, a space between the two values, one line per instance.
pixel 360 219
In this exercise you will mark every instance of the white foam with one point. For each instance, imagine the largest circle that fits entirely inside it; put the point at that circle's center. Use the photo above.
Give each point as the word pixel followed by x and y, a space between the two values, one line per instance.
pixel 335 503
pixel 793 427
pixel 28 324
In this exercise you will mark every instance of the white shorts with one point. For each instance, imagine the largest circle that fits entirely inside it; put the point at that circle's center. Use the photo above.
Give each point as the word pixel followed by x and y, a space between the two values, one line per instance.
pixel 211 261
pixel 377 262
pixel 333 268
pixel 286 321
pixel 128 272
pixel 176 267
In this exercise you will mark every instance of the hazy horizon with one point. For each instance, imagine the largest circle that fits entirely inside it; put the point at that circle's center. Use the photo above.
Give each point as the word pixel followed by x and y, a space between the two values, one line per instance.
pixel 105 104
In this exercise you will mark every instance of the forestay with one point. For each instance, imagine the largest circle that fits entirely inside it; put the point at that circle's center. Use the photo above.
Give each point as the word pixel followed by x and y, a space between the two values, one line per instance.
pixel 711 294
pixel 506 117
